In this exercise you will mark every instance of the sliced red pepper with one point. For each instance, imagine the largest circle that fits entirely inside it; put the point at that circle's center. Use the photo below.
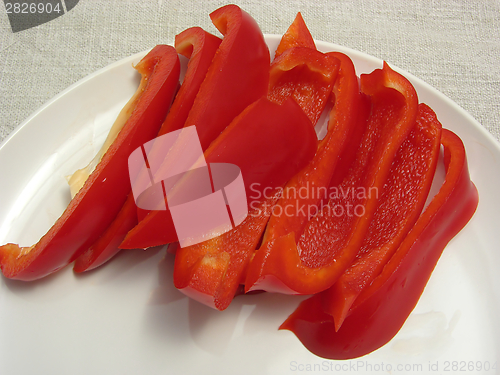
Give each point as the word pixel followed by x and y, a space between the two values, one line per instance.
pixel 401 202
pixel 106 246
pixel 95 206
pixel 303 194
pixel 200 47
pixel 330 240
pixel 297 35
pixel 382 308
pixel 238 75
pixel 306 75
pixel 302 73
pixel 269 143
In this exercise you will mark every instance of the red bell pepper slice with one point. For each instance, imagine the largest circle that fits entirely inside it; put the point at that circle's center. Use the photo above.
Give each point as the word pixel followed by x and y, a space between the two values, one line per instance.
pixel 306 75
pixel 400 205
pixel 382 308
pixel 330 241
pixel 106 246
pixel 269 143
pixel 306 190
pixel 95 206
pixel 238 76
pixel 297 35
pixel 200 47
pixel 302 73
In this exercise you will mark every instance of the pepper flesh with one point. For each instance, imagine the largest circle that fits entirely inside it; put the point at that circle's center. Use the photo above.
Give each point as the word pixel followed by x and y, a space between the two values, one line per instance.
pixel 200 47
pixel 302 73
pixel 297 35
pixel 219 265
pixel 319 74
pixel 401 202
pixel 238 76
pixel 84 219
pixel 307 76
pixel 382 308
pixel 313 180
pixel 269 143
pixel 329 241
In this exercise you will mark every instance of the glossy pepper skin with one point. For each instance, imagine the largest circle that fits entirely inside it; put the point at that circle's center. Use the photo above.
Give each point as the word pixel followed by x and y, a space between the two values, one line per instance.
pixel 294 210
pixel 218 266
pixel 269 143
pixel 297 35
pixel 199 47
pixel 106 246
pixel 330 242
pixel 307 76
pixel 302 72
pixel 238 76
pixel 401 202
pixel 85 218
pixel 382 308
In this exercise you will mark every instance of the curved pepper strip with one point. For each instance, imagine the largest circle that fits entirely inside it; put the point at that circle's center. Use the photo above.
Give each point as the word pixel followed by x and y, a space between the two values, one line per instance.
pixel 348 155
pixel 199 47
pixel 306 75
pixel 95 206
pixel 269 143
pixel 238 76
pixel 312 181
pixel 401 202
pixel 303 194
pixel 382 308
pixel 106 246
pixel 297 35
pixel 330 241
pixel 316 73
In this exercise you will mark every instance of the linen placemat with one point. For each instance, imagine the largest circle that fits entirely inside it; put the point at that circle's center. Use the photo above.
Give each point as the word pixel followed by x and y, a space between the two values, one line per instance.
pixel 452 45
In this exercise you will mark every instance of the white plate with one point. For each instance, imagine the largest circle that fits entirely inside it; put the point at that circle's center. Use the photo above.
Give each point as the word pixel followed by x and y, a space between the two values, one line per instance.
pixel 127 317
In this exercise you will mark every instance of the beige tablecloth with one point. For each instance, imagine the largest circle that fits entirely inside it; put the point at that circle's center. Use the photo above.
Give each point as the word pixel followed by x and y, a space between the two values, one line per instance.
pixel 452 45
pixel 99 324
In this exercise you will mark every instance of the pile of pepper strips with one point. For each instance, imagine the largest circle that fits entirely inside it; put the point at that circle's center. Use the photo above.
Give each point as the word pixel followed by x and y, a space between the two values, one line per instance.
pixel 365 268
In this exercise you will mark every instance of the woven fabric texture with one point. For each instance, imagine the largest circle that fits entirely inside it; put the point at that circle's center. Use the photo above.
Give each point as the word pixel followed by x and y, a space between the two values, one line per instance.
pixel 454 45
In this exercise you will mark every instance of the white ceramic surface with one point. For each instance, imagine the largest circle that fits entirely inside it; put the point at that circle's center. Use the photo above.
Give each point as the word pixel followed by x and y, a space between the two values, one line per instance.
pixel 127 317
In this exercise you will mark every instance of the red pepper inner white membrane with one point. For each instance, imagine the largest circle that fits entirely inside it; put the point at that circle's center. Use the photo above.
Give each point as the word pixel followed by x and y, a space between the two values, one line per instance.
pixel 321 126
pixel 45 195
pixel 438 180
pixel 78 178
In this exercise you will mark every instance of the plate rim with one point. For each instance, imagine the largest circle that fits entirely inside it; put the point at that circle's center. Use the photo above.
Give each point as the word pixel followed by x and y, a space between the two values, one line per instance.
pixel 275 37
pixel 483 132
